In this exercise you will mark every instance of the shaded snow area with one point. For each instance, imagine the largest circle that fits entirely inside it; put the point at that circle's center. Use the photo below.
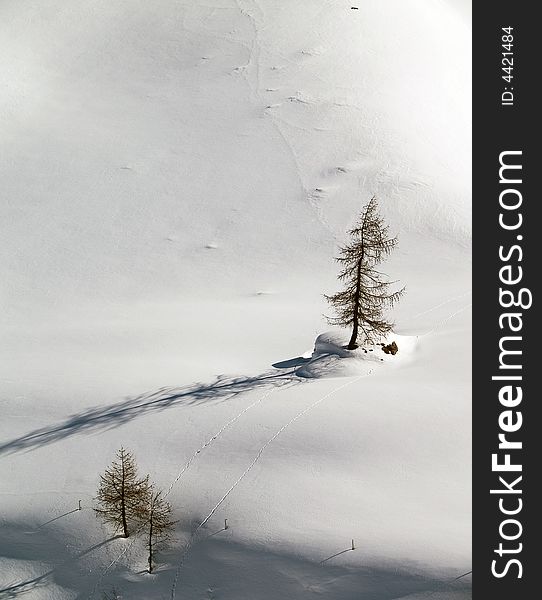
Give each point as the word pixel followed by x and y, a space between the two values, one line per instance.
pixel 177 177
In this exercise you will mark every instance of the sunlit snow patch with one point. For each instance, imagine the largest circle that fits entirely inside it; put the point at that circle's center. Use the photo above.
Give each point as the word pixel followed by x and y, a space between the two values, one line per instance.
pixel 331 357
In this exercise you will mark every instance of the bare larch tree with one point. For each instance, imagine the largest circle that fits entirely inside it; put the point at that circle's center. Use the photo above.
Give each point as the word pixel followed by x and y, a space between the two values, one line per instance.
pixel 361 303
pixel 159 523
pixel 122 495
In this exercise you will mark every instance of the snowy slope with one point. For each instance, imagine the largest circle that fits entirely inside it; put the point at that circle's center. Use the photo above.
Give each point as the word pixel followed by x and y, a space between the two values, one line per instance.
pixel 176 178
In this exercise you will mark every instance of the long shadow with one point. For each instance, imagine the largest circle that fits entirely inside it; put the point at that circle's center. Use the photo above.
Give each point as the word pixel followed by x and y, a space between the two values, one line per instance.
pixel 215 533
pixel 115 415
pixel 30 584
pixel 293 577
pixel 70 512
pixel 334 555
pixel 291 362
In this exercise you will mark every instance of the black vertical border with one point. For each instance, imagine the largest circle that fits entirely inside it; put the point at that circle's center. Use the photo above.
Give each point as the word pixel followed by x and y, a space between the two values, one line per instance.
pixel 498 128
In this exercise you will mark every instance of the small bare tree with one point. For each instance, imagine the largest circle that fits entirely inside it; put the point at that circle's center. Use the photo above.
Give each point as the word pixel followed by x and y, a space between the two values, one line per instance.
pixel 366 294
pixel 159 523
pixel 122 495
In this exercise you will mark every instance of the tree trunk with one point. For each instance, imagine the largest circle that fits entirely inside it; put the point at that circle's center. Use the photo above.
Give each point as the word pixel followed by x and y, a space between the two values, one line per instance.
pixel 352 345
pixel 123 502
pixel 124 522
pixel 150 544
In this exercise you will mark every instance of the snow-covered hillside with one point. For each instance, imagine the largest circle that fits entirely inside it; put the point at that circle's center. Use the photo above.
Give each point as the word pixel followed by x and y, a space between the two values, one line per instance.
pixel 176 179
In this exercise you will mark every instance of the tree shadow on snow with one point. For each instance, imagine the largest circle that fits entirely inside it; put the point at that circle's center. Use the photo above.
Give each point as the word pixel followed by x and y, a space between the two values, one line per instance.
pixel 115 415
pixel 291 362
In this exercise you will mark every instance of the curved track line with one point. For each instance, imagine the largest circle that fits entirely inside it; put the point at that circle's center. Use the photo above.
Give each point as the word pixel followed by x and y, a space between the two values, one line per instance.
pixel 213 438
pixel 424 312
pixel 448 318
pixel 247 470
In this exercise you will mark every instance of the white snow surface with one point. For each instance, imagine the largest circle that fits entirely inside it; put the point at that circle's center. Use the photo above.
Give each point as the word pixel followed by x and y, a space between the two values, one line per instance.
pixel 176 179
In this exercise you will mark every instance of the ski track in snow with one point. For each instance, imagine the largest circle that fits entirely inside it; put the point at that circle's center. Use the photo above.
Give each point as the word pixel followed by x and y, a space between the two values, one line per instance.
pixel 448 318
pixel 215 436
pixel 425 312
pixel 248 469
